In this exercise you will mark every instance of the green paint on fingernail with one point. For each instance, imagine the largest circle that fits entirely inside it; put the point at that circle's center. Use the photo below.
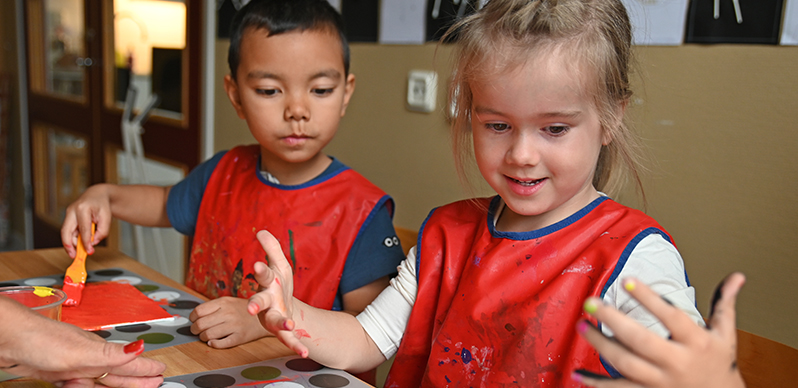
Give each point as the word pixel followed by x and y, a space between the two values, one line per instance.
pixel 591 306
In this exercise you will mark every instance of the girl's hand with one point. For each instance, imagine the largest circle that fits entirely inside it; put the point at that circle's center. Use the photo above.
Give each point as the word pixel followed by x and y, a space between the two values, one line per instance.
pixel 274 304
pixel 693 357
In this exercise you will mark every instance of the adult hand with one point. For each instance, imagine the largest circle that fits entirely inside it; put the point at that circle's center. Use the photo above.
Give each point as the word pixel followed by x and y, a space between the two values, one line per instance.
pixel 274 304
pixel 694 356
pixel 34 346
pixel 225 322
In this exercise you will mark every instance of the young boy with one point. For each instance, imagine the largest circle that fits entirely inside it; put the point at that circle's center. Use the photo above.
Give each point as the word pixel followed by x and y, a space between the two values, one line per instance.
pixel 289 79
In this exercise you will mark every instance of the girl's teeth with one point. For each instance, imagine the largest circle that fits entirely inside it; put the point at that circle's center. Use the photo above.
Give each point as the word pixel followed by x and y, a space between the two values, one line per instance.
pixel 526 183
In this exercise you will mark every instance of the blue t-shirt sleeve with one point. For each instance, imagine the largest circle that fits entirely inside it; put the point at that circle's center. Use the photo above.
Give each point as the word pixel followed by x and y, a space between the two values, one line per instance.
pixel 185 197
pixel 375 253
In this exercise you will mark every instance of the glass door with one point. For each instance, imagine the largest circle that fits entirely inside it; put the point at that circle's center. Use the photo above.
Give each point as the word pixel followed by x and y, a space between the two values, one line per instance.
pixel 62 54
pixel 84 56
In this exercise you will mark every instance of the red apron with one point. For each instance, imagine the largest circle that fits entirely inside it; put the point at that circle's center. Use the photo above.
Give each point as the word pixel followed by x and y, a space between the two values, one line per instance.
pixel 316 223
pixel 502 311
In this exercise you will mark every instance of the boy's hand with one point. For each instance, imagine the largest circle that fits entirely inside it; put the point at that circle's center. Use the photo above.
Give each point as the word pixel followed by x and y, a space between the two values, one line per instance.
pixel 694 357
pixel 93 205
pixel 225 322
pixel 274 304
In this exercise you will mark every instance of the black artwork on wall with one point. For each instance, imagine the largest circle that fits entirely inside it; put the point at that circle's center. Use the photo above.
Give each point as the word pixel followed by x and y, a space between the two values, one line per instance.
pixel 361 20
pixel 441 14
pixel 760 24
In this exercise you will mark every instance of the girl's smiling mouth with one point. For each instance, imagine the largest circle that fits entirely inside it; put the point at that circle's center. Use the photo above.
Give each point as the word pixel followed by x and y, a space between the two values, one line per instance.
pixel 526 183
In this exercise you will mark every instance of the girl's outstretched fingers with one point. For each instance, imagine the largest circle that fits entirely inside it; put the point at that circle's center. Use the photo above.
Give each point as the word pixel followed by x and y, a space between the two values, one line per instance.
pixel 722 313
pixel 693 357
pixel 274 304
pixel 628 362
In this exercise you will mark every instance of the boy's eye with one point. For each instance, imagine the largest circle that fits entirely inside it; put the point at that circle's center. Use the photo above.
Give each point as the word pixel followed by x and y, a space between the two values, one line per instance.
pixel 557 129
pixel 266 92
pixel 498 127
pixel 322 92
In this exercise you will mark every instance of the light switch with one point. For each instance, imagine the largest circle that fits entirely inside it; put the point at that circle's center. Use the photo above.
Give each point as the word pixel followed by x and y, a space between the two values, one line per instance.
pixel 422 90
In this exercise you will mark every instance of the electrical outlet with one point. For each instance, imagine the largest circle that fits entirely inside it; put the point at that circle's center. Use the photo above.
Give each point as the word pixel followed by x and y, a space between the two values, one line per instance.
pixel 422 90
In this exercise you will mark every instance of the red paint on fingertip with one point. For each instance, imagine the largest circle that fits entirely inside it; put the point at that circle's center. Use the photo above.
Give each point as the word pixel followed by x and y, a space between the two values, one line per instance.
pixel 253 308
pixel 581 327
pixel 576 377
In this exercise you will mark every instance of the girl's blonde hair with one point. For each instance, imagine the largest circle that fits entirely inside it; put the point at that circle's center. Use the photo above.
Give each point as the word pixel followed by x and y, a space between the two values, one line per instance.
pixel 507 33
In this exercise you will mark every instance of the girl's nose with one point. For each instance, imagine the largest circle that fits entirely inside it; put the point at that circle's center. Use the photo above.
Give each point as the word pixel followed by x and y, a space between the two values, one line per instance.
pixel 523 150
pixel 297 109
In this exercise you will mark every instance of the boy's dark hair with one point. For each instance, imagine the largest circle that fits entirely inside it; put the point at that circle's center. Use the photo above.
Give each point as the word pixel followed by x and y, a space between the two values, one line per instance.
pixel 280 16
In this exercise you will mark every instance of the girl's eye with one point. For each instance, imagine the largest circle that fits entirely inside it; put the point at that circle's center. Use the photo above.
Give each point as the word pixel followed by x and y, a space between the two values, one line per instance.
pixel 557 129
pixel 498 127
pixel 322 92
pixel 266 92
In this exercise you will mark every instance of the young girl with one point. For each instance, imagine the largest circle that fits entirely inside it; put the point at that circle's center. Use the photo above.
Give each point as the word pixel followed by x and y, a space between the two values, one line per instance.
pixel 493 290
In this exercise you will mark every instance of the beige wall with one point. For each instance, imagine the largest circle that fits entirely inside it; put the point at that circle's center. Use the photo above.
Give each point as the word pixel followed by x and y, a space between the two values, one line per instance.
pixel 720 121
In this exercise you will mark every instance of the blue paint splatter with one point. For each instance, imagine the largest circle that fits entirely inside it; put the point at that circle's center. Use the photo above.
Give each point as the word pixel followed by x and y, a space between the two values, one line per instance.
pixel 447 379
pixel 446 349
pixel 466 356
pixel 477 259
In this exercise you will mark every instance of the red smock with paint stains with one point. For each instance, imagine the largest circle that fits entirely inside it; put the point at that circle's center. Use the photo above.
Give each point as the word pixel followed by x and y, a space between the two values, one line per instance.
pixel 316 223
pixel 498 308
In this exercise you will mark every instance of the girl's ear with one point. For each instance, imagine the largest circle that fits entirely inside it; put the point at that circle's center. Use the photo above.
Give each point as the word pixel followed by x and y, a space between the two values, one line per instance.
pixel 619 114
pixel 231 88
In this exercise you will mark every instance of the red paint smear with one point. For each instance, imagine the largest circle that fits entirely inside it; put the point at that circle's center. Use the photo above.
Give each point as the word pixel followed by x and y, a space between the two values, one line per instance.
pixel 300 333
pixel 263 382
pixel 107 304
pixel 73 291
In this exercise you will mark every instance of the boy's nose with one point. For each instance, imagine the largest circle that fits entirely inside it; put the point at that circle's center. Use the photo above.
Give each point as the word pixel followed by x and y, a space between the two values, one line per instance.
pixel 297 109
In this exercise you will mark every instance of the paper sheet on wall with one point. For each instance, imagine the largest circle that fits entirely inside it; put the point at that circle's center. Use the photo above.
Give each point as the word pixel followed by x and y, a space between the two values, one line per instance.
pixel 789 30
pixel 402 21
pixel 657 22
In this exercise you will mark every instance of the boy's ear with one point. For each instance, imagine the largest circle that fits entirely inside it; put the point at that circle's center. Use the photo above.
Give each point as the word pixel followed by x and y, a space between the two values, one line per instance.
pixel 231 88
pixel 349 88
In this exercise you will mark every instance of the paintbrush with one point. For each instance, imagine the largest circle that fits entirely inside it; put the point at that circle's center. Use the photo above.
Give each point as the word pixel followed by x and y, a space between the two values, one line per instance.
pixel 75 278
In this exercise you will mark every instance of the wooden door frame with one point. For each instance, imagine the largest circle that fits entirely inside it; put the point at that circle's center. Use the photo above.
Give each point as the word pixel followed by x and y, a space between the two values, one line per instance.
pixel 161 135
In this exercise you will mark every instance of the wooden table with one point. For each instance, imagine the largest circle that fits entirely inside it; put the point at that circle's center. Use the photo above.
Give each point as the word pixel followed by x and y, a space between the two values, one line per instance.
pixel 182 359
